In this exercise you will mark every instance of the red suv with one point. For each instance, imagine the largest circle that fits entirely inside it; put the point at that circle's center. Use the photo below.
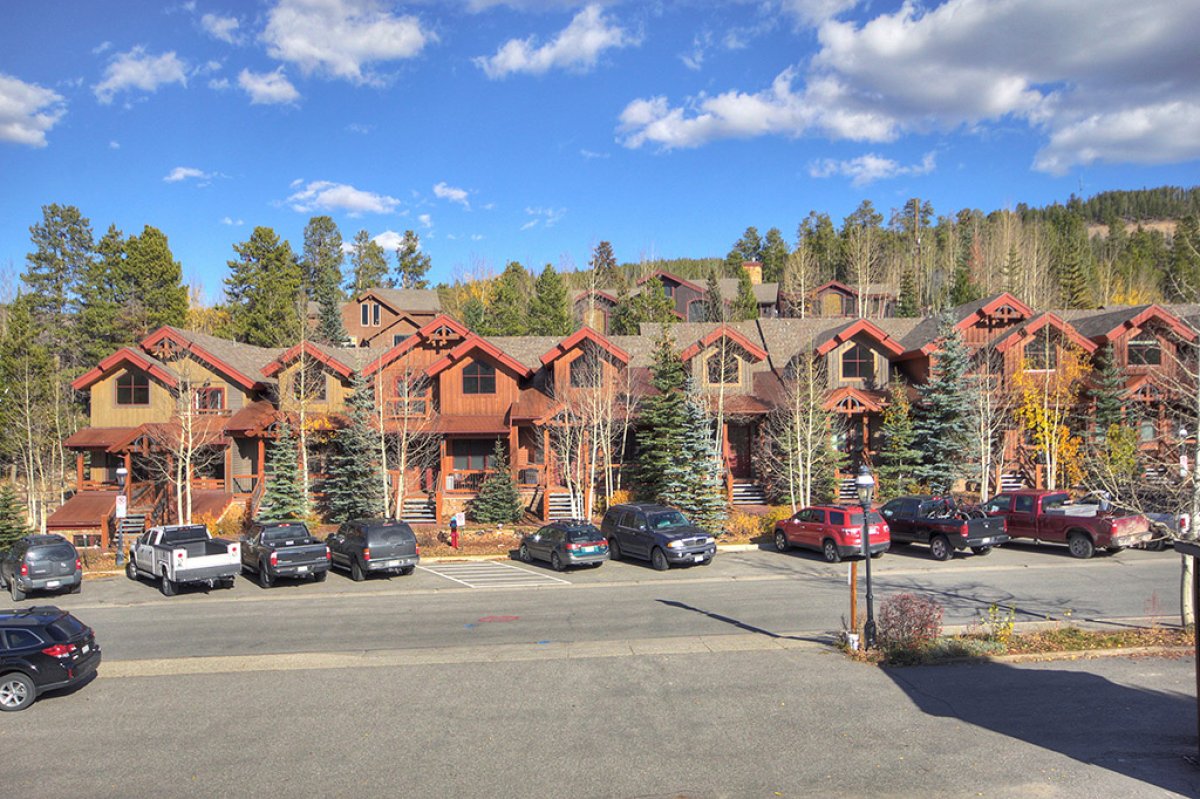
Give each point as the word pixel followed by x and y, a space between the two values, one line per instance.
pixel 833 530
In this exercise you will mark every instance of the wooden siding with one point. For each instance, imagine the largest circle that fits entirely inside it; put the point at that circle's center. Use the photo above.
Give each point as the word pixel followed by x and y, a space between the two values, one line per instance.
pixel 107 413
pixel 882 365
pixel 453 402
pixel 612 371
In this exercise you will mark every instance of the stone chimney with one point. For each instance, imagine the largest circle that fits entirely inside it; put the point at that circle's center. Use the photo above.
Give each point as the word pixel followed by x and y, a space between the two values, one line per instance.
pixel 755 270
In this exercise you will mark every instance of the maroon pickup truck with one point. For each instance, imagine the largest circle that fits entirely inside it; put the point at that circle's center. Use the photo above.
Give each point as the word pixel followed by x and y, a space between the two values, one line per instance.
pixel 1049 516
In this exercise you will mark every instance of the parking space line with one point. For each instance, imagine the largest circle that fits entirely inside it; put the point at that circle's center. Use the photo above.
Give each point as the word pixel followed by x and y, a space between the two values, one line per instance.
pixel 492 574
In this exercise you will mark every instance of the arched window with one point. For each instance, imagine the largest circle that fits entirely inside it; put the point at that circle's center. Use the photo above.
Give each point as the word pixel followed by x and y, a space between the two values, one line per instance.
pixel 858 363
pixel 479 378
pixel 724 368
pixel 133 388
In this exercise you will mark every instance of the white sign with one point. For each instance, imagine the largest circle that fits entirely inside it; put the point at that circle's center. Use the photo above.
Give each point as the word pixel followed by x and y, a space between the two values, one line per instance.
pixel 122 505
pixel 460 519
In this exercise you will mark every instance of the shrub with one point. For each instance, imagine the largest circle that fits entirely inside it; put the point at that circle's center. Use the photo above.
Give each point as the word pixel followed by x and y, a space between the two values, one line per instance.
pixel 742 525
pixel 776 513
pixel 998 624
pixel 908 623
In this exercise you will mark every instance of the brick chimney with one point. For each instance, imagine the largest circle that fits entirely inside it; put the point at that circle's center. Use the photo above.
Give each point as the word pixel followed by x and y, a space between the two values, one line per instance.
pixel 755 270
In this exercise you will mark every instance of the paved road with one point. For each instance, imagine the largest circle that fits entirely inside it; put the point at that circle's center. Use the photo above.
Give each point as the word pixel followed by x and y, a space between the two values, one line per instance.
pixel 622 682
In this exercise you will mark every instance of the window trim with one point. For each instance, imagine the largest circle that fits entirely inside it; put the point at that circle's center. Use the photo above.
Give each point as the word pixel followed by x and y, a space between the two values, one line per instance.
pixel 1043 345
pixel 134 386
pixel 364 315
pixel 218 391
pixel 1144 345
pixel 724 368
pixel 868 360
pixel 475 379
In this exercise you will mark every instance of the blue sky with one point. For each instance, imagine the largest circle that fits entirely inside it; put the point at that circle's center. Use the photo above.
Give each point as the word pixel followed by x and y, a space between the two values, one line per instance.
pixel 532 129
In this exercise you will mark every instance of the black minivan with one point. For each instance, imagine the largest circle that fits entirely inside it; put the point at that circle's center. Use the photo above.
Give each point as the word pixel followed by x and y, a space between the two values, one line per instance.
pixel 656 533
pixel 41 563
pixel 374 546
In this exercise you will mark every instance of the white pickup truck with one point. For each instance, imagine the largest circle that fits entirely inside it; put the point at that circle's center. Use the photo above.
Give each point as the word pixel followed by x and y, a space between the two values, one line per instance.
pixel 177 554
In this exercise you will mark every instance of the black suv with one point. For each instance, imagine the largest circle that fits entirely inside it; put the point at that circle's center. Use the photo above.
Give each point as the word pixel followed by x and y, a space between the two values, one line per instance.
pixel 370 546
pixel 42 649
pixel 656 533
pixel 41 563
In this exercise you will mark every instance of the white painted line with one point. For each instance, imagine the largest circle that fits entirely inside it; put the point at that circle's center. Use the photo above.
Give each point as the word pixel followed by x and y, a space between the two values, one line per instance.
pixel 493 574
pixel 448 577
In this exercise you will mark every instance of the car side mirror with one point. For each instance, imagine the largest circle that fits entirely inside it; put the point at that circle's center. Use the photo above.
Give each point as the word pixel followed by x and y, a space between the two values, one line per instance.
pixel 643 528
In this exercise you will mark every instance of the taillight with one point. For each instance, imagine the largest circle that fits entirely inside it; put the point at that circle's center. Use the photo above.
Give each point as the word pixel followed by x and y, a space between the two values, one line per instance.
pixel 1184 522
pixel 418 551
pixel 963 528
pixel 274 559
pixel 59 650
pixel 572 547
pixel 366 553
pixel 328 554
pixel 24 569
pixel 78 564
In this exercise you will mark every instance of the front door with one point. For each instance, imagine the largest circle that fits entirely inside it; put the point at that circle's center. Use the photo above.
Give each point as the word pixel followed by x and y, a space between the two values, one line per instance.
pixel 739 452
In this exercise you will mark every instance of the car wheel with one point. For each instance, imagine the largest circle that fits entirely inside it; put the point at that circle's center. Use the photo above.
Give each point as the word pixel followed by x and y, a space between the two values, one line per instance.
pixel 830 550
pixel 981 551
pixel 131 569
pixel 17 692
pixel 707 561
pixel 523 553
pixel 659 560
pixel 356 571
pixel 227 582
pixel 1156 545
pixel 17 593
pixel 319 577
pixel 75 589
pixel 1080 545
pixel 556 562
pixel 168 587
pixel 264 577
pixel 407 570
pixel 781 542
pixel 614 549
pixel 939 548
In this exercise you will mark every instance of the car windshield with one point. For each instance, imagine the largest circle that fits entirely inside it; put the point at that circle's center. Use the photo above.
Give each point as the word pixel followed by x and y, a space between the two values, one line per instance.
pixel 588 533
pixel 873 517
pixel 62 551
pixel 667 520
pixel 392 534
pixel 184 535
pixel 289 533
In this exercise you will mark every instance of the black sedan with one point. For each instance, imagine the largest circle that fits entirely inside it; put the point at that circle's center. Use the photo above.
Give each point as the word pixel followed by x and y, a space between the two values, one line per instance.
pixel 565 543
pixel 42 649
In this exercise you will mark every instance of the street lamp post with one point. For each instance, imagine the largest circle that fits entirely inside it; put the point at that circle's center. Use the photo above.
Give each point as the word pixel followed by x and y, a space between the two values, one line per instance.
pixel 864 483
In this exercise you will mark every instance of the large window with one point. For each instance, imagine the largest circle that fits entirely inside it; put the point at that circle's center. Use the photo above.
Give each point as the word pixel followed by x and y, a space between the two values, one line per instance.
pixel 479 378
pixel 210 400
pixel 723 368
pixel 472 454
pixel 858 363
pixel 1041 354
pixel 133 388
pixel 1144 351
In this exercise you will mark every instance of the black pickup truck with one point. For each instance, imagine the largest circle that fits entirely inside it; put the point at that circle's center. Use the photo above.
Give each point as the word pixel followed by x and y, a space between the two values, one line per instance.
pixel 941 524
pixel 283 549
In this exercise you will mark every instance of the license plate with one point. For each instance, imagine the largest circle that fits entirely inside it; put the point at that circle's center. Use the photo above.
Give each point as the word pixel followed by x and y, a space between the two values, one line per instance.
pixel 698 558
pixel 985 541
pixel 52 583
pixel 387 564
pixel 86 649
pixel 301 568
pixel 589 550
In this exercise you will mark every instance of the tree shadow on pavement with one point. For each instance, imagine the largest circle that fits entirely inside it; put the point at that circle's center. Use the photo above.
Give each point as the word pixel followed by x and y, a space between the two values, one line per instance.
pixel 750 628
pixel 970 599
pixel 1140 733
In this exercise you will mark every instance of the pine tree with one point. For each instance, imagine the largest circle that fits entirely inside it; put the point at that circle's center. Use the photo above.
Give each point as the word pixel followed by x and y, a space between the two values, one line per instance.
pixel 549 312
pixel 284 498
pixel 898 459
pixel 411 263
pixel 63 252
pixel 369 266
pixel 694 480
pixel 101 330
pixel 508 310
pixel 604 263
pixel 941 425
pixel 748 248
pixel 745 305
pixel 909 306
pixel 714 303
pixel 1074 267
pixel 774 256
pixel 963 289
pixel 13 523
pixel 1107 393
pixel 354 489
pixel 323 257
pixel 262 288
pixel 473 313
pixel 498 500
pixel 1181 277
pixel 1011 270
pixel 151 285
pixel 663 420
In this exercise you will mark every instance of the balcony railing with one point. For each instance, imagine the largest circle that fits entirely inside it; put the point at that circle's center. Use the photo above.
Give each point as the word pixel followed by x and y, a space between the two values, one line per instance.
pixel 466 481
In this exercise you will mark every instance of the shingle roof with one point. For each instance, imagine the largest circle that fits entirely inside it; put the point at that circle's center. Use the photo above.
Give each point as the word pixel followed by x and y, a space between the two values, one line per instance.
pixel 419 300
pixel 764 293
pixel 1093 323
pixel 527 350
pixel 245 358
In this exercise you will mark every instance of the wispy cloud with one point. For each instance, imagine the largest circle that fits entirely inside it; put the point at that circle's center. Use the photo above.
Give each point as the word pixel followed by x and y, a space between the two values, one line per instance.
pixel 182 173
pixel 867 169
pixel 219 27
pixel 268 88
pixel 323 195
pixel 232 222
pixel 451 193
pixel 546 217
pixel 138 69
pixel 577 47
pixel 28 111
pixel 426 220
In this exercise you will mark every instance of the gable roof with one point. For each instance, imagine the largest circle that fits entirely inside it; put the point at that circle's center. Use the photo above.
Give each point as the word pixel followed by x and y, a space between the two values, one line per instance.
pixel 661 273
pixel 422 335
pixel 1106 324
pixel 607 294
pixel 764 293
pixel 418 300
pixel 472 343
pixel 723 331
pixel 144 361
pixel 841 335
pixel 317 352
pixel 1026 330
pixel 849 399
pixel 922 339
pixel 237 361
pixel 869 289
pixel 561 348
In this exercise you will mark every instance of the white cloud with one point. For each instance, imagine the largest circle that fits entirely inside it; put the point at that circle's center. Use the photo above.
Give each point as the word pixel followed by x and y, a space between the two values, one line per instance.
pixel 426 220
pixel 866 169
pixel 547 217
pixel 389 240
pixel 476 237
pixel 219 27
pixel 114 145
pixel 103 47
pixel 592 154
pixel 268 88
pixel 323 195
pixel 454 195
pixel 700 44
pixel 181 173
pixel 341 37
pixel 232 222
pixel 28 111
pixel 812 13
pixel 1101 80
pixel 137 69
pixel 219 84
pixel 356 127
pixel 577 47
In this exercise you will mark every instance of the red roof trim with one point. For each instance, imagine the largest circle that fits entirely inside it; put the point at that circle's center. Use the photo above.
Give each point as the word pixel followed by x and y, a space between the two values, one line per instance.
pixel 1002 299
pixel 476 343
pixel 597 293
pixel 862 326
pixel 1153 312
pixel 661 273
pixel 724 331
pixel 418 337
pixel 203 354
pixel 276 366
pixel 125 354
pixel 575 339
pixel 1028 329
pixel 868 402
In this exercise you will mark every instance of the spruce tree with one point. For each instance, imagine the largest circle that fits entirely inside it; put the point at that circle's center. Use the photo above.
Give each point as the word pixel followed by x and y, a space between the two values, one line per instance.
pixel 745 305
pixel 549 311
pixel 963 289
pixel 663 419
pixel 898 459
pixel 604 264
pixel 63 251
pixel 942 425
pixel 473 314
pixel 101 329
pixel 694 480
pixel 748 248
pixel 284 497
pixel 354 489
pixel 714 303
pixel 411 263
pixel 1182 274
pixel 151 285
pixel 909 306
pixel 774 256
pixel 262 288
pixel 369 266
pixel 498 500
pixel 323 257
pixel 1074 266
pixel 508 310
pixel 12 517
pixel 1108 394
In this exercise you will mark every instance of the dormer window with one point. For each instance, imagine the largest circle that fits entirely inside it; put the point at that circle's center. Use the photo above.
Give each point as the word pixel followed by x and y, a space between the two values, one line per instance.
pixel 479 378
pixel 369 314
pixel 858 363
pixel 311 388
pixel 1041 353
pixel 133 388
pixel 210 399
pixel 1144 351
pixel 723 368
